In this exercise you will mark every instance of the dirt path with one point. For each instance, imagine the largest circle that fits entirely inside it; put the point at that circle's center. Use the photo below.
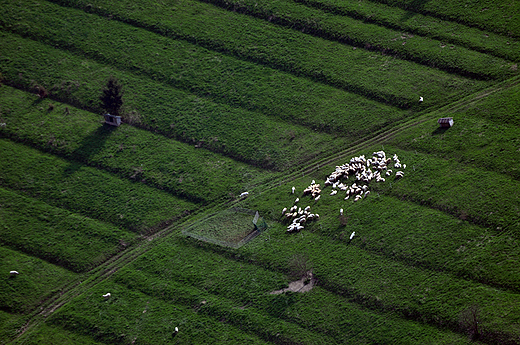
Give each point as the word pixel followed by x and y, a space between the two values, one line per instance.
pixel 111 266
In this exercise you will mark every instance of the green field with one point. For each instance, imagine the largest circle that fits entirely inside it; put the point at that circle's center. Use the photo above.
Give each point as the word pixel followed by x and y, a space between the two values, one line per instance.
pixel 222 97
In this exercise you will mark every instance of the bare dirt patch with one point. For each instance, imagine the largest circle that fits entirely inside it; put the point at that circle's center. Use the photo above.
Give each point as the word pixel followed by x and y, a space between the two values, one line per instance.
pixel 304 284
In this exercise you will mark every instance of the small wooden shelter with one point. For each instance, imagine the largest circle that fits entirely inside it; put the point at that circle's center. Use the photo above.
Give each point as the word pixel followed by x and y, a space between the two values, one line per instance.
pixel 445 122
pixel 112 120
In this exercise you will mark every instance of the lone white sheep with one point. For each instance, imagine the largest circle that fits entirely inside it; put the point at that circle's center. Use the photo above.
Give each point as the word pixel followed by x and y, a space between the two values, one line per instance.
pixel 107 295
pixel 341 211
pixel 293 189
pixel 352 235
pixel 244 194
pixel 421 99
pixel 14 273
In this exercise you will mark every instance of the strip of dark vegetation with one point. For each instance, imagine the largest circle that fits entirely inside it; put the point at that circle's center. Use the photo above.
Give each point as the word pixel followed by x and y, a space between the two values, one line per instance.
pixel 331 33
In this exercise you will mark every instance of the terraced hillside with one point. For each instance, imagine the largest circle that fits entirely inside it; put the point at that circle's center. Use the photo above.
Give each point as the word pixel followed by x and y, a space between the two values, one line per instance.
pixel 223 97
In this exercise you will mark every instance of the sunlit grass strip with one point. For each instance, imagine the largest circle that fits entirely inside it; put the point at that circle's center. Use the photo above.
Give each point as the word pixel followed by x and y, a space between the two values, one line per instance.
pixel 87 191
pixel 407 232
pixel 133 153
pixel 367 73
pixel 483 197
pixel 37 280
pixel 357 32
pixel 380 283
pixel 443 30
pixel 204 73
pixel 264 140
pixel 485 133
pixel 498 16
pixel 57 235
pixel 249 285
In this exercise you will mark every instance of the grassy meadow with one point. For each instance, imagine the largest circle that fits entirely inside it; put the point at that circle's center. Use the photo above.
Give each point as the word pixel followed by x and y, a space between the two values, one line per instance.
pixel 222 97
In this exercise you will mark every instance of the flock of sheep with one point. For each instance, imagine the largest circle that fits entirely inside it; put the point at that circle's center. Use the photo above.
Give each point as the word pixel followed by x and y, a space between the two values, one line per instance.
pixel 360 169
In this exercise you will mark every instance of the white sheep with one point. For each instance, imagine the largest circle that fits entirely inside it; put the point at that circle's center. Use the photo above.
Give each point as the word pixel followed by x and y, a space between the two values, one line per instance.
pixel 334 192
pixel 341 211
pixel 284 210
pixel 296 201
pixel 421 99
pixel 107 295
pixel 317 198
pixel 244 194
pixel 14 273
pixel 293 189
pixel 352 235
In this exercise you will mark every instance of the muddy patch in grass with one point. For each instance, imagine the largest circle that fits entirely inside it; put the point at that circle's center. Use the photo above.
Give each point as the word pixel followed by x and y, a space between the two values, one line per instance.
pixel 304 284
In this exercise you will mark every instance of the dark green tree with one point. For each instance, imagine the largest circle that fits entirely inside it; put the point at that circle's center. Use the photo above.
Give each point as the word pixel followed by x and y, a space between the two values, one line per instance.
pixel 112 97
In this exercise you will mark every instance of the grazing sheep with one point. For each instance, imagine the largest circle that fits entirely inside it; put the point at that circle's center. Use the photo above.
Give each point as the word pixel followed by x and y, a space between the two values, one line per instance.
pixel 421 99
pixel 293 189
pixel 14 273
pixel 244 194
pixel 107 295
pixel 352 235
pixel 284 210
pixel 334 192
pixel 399 174
pixel 341 211
pixel 296 201
pixel 317 198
